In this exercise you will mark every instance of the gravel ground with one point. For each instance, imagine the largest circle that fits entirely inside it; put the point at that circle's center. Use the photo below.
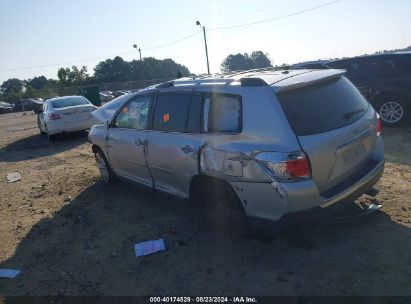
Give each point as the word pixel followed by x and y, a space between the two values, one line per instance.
pixel 70 234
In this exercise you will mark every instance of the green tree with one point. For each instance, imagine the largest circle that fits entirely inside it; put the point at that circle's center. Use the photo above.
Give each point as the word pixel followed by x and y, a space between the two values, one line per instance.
pixel 12 85
pixel 117 69
pixel 29 93
pixel 260 60
pixel 241 62
pixel 72 77
pixel 37 83
pixel 112 70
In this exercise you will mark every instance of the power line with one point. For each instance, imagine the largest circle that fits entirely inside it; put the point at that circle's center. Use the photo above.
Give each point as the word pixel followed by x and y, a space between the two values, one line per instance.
pixel 178 40
pixel 99 58
pixel 275 18
pixel 64 63
pixel 171 43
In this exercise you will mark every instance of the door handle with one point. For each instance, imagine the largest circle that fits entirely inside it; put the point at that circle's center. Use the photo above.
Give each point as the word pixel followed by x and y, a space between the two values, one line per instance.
pixel 139 142
pixel 112 138
pixel 187 149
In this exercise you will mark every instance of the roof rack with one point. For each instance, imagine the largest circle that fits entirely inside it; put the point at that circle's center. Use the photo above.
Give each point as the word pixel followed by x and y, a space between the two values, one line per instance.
pixel 244 82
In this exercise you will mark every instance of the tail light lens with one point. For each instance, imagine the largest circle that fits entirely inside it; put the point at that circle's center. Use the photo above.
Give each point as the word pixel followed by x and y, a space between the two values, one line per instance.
pixel 54 116
pixel 379 127
pixel 286 167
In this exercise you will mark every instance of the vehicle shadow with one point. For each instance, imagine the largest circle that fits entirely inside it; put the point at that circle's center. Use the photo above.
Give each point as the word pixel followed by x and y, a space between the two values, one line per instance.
pixel 36 146
pixel 396 142
pixel 87 248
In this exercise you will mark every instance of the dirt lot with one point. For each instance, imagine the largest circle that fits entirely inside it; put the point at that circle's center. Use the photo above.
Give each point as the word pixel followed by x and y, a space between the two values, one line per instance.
pixel 70 234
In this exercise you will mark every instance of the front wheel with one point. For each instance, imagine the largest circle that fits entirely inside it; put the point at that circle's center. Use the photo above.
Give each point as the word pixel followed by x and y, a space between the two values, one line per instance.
pixel 105 171
pixel 394 111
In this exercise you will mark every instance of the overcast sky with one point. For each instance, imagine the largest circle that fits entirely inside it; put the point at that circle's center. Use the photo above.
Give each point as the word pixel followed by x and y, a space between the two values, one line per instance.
pixel 43 32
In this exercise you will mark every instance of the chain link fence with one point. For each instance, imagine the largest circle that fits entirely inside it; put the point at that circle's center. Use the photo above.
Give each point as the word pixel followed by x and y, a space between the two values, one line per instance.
pixel 17 98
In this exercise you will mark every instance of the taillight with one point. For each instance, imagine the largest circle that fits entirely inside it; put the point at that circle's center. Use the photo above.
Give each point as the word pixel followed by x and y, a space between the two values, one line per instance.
pixel 298 168
pixel 287 167
pixel 379 127
pixel 54 116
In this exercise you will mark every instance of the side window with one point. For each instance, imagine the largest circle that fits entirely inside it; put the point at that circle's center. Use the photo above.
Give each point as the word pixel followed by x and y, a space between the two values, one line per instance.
pixel 222 113
pixel 194 114
pixel 171 112
pixel 135 114
pixel 45 106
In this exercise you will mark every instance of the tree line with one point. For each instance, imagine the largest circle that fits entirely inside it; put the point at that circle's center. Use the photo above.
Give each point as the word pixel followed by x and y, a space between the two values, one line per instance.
pixel 119 70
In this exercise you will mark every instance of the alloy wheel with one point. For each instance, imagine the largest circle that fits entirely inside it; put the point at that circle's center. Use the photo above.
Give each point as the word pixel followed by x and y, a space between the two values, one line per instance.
pixel 391 112
pixel 101 164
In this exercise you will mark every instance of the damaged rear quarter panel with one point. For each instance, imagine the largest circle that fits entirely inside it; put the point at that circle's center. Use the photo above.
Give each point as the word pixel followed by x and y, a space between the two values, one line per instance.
pixel 231 157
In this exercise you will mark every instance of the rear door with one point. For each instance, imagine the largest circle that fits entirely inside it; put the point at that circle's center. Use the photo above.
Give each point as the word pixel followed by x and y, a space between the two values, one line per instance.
pixel 335 126
pixel 126 141
pixel 174 141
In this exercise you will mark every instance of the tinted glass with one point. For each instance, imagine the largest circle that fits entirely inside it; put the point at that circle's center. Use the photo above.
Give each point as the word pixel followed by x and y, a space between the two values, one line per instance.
pixel 171 112
pixel 223 112
pixel 323 107
pixel 355 68
pixel 69 102
pixel 135 114
pixel 194 115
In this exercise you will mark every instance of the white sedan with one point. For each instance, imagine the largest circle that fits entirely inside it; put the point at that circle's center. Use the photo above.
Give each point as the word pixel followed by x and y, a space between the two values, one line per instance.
pixel 65 114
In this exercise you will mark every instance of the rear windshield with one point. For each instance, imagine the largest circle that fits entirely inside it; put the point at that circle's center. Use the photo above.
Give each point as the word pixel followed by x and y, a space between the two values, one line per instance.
pixel 323 107
pixel 69 102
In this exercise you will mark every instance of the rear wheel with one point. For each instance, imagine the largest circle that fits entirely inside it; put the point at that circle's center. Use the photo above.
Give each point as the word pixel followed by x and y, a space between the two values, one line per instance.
pixel 50 137
pixel 103 166
pixel 218 204
pixel 394 110
pixel 39 125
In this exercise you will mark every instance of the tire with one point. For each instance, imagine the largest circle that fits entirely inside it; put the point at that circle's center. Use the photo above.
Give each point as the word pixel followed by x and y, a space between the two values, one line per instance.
pixel 50 137
pixel 106 173
pixel 38 124
pixel 394 110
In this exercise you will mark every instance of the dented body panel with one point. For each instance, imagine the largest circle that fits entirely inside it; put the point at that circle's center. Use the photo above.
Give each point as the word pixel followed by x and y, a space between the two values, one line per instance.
pixel 174 159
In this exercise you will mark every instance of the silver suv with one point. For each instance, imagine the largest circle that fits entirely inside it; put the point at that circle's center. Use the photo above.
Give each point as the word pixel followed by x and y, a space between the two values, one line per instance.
pixel 269 143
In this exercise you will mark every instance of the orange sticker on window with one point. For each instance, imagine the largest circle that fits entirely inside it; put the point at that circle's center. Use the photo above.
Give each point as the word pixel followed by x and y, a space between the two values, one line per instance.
pixel 125 110
pixel 166 117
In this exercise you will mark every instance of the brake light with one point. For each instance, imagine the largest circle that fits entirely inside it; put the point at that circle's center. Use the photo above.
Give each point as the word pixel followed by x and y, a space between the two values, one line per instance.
pixel 54 116
pixel 288 167
pixel 298 168
pixel 379 126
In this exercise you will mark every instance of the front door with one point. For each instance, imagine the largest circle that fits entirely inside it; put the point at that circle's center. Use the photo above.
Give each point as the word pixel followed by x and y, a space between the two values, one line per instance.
pixel 126 141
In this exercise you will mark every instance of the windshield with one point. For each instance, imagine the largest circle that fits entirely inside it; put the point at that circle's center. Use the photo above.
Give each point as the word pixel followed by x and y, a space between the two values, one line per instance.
pixel 69 102
pixel 107 111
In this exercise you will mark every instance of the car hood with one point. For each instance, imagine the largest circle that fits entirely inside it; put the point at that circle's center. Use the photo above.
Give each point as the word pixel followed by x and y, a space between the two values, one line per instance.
pixel 108 110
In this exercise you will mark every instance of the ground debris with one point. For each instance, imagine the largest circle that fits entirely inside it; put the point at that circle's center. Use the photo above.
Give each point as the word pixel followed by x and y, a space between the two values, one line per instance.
pixel 13 177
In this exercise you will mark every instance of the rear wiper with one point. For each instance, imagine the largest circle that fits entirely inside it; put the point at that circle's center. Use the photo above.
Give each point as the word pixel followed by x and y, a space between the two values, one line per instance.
pixel 348 115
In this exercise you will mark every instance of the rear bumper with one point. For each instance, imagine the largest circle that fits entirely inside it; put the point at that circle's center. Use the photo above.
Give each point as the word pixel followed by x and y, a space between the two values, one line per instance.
pixel 320 212
pixel 277 204
pixel 56 127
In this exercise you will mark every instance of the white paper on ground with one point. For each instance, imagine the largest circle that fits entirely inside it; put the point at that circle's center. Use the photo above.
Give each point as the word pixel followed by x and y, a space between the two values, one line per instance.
pixel 13 177
pixel 149 247
pixel 8 273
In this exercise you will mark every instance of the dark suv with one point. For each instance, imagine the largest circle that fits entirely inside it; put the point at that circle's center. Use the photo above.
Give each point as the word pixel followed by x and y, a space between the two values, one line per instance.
pixel 385 80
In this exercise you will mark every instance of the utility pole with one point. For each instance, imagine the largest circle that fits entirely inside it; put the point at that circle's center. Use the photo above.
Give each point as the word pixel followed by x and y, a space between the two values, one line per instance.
pixel 205 44
pixel 21 101
pixel 142 64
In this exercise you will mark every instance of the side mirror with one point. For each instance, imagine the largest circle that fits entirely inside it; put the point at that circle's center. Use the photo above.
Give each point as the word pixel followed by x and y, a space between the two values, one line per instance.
pixel 38 111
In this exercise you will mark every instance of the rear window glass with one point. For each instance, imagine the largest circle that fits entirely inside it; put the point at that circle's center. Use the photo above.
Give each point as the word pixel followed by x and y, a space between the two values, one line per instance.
pixel 323 107
pixel 223 112
pixel 69 102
